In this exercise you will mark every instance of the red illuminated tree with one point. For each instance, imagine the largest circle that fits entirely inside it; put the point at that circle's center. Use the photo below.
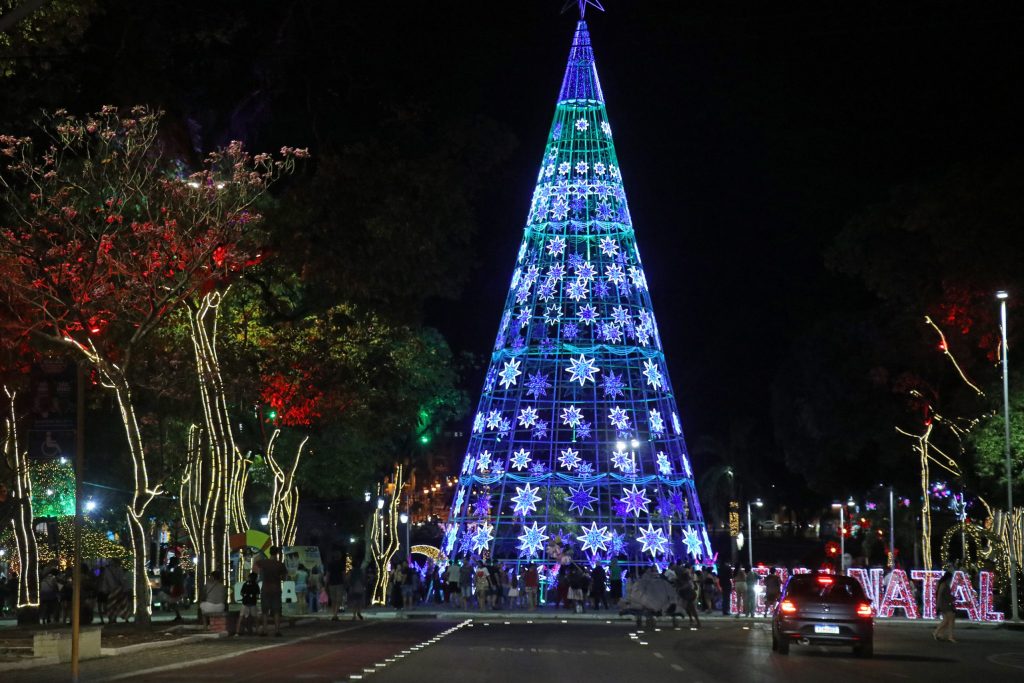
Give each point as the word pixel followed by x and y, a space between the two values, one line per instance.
pixel 105 236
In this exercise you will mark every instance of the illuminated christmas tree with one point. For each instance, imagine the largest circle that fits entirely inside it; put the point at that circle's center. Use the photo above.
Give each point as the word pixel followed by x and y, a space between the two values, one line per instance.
pixel 576 446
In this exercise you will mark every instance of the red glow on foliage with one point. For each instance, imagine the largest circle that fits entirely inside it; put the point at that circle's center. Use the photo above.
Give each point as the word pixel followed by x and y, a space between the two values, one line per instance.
pixel 295 398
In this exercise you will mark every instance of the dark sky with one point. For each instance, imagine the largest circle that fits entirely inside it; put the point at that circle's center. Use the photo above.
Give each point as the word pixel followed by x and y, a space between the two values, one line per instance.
pixel 748 134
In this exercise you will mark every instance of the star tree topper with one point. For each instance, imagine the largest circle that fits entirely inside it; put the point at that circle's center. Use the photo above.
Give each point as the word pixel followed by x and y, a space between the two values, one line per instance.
pixel 582 4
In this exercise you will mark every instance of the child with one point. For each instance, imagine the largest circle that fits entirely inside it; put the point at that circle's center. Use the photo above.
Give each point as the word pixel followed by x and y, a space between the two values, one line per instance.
pixel 250 598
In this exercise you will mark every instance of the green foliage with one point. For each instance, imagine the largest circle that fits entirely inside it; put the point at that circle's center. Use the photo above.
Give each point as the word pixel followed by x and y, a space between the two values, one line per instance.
pixel 987 443
pixel 50 28
pixel 53 489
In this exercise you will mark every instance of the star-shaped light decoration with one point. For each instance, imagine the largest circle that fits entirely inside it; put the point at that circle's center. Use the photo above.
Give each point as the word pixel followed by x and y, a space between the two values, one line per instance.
pixel 528 416
pixel 581 498
pixel 525 500
pixel 586 469
pixel 652 373
pixel 652 540
pixel 482 537
pixel 478 423
pixel 586 272
pixel 664 466
pixel 552 314
pixel 569 459
pixel 678 502
pixel 450 535
pixel 656 421
pixel 493 419
pixel 692 543
pixel 686 466
pixel 556 245
pixel 636 500
pixel 482 505
pixel 617 545
pixel 612 385
pixel 520 459
pixel 587 314
pixel 483 461
pixel 675 424
pixel 537 385
pixel 623 461
pixel 571 416
pixel 609 247
pixel 532 540
pixel 619 418
pixel 595 539
pixel 510 372
pixel 582 369
pixel 459 498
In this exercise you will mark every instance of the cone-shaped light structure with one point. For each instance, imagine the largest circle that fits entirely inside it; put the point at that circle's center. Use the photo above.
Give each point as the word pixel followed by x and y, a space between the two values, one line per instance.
pixel 577 448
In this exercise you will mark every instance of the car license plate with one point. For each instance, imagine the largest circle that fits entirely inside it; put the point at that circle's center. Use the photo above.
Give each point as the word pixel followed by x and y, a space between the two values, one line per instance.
pixel 825 628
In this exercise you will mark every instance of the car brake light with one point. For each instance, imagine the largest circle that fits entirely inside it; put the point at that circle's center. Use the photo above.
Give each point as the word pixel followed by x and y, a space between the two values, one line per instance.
pixel 787 606
pixel 826 580
pixel 864 610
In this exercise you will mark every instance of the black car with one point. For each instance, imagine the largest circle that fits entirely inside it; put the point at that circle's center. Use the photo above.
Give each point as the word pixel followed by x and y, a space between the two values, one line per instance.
pixel 823 609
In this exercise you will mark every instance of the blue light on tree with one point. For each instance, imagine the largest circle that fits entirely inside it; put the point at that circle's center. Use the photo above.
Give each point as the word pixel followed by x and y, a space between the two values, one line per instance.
pixel 577 427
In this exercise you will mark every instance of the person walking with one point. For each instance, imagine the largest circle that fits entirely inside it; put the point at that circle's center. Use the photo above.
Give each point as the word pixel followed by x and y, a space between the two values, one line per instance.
pixel 615 580
pixel 772 591
pixel 356 589
pixel 314 584
pixel 945 603
pixel 598 589
pixel 750 601
pixel 452 577
pixel 466 583
pixel 301 586
pixel 409 578
pixel 531 586
pixel 481 585
pixel 172 583
pixel 250 600
pixel 726 590
pixel 740 583
pixel 335 579
pixel 272 572
pixel 688 594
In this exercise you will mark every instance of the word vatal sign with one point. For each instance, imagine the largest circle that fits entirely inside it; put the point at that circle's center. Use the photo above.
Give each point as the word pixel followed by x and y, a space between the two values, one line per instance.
pixel 897 599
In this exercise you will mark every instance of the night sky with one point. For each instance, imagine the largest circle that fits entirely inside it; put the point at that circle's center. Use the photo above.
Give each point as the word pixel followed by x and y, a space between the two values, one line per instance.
pixel 749 133
pixel 748 136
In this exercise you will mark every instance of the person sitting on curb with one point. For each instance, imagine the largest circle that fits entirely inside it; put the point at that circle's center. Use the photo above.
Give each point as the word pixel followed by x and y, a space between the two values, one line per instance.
pixel 215 597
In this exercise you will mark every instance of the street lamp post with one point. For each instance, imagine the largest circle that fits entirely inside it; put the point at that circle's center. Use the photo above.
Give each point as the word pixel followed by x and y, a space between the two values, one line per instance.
pixel 750 532
pixel 404 519
pixel 1003 296
pixel 842 533
pixel 892 531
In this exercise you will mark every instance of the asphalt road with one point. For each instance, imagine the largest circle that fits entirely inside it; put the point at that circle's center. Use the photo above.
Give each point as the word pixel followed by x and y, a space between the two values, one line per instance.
pixel 494 651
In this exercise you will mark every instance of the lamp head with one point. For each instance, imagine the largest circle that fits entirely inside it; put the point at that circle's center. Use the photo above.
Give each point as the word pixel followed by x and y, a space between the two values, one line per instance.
pixel 1002 295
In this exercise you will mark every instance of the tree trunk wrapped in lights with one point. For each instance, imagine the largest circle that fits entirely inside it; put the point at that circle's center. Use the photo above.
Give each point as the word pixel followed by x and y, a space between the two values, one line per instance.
pixel 109 240
pixel 282 520
pixel 21 511
pixel 213 488
pixel 384 541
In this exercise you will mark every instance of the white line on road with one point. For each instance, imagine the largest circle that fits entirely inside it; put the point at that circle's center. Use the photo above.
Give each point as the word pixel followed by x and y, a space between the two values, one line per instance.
pixel 659 655
pixel 677 667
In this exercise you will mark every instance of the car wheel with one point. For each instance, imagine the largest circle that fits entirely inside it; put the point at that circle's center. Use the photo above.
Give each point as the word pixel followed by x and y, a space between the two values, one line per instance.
pixel 865 649
pixel 783 646
pixel 775 643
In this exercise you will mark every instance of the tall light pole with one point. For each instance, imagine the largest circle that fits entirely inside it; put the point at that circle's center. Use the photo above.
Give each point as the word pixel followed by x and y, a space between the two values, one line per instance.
pixel 750 532
pixel 892 531
pixel 404 519
pixel 1002 295
pixel 842 533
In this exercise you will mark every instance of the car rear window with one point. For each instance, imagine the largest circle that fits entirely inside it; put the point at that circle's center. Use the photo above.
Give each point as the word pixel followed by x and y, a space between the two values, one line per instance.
pixel 840 590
